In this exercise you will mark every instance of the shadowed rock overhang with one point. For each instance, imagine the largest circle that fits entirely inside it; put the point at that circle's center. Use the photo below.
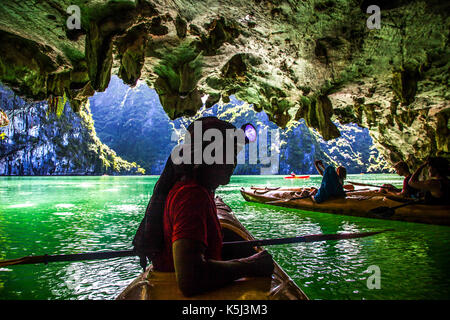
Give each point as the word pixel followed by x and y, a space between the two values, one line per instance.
pixel 316 60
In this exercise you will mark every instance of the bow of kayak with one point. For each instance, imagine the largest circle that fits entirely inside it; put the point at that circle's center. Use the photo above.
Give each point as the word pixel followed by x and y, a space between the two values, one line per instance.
pixel 155 285
pixel 354 204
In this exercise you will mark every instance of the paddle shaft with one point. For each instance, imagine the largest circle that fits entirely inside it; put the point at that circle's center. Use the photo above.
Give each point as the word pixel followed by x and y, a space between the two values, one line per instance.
pixel 309 238
pixel 129 253
pixel 387 212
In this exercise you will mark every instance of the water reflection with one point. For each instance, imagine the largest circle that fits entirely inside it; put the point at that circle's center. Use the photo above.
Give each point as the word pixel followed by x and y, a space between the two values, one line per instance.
pixel 79 214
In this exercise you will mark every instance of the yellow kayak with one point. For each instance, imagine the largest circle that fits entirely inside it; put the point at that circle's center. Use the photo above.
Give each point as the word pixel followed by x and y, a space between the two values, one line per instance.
pixel 155 285
pixel 354 204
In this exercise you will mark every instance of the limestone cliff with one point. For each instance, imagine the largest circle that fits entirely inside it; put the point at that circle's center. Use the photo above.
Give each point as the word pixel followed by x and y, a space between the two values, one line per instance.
pixel 315 60
pixel 40 143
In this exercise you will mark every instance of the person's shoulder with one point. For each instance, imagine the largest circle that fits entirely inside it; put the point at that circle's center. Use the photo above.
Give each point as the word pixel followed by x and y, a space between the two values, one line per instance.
pixel 191 198
pixel 191 190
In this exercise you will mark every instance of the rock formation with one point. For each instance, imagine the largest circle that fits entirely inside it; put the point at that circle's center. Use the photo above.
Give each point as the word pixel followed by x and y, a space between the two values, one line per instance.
pixel 317 60
pixel 38 142
pixel 122 114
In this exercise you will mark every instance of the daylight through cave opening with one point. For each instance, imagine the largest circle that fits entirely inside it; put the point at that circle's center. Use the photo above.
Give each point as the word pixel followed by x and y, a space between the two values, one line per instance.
pixel 126 130
pixel 123 114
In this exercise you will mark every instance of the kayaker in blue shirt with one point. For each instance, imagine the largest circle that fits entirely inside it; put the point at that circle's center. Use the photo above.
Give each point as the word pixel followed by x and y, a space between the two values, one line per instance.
pixel 332 182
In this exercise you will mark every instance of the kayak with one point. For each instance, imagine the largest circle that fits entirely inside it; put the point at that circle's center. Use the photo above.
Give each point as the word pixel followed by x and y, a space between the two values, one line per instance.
pixel 354 204
pixel 156 285
pixel 297 177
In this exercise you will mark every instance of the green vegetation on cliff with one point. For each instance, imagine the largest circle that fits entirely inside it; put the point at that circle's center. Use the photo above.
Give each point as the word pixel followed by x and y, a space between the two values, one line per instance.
pixel 39 142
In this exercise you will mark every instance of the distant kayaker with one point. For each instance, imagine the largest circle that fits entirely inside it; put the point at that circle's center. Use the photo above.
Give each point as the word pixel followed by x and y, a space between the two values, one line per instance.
pixel 332 182
pixel 402 169
pixel 436 188
pixel 182 233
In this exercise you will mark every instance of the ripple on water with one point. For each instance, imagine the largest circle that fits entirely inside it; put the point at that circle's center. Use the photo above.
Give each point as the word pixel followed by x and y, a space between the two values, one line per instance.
pixel 86 185
pixel 126 208
pixel 21 205
pixel 64 205
pixel 63 213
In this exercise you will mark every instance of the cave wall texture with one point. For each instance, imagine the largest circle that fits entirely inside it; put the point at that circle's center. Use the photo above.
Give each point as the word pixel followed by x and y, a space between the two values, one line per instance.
pixel 315 60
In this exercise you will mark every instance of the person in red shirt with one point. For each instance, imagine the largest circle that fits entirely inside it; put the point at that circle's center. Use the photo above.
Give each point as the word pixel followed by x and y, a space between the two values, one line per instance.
pixel 191 235
pixel 189 214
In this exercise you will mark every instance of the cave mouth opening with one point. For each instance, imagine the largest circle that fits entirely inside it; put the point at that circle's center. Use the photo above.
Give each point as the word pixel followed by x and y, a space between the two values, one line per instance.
pixel 131 133
pixel 133 123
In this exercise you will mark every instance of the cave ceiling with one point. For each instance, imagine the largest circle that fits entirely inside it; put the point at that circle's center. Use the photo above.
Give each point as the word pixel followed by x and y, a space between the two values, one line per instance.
pixel 312 60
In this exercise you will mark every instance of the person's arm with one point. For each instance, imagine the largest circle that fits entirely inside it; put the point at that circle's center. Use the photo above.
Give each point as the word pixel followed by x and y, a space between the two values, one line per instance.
pixel 422 185
pixel 393 191
pixel 313 193
pixel 401 193
pixel 405 191
pixel 387 188
pixel 196 274
pixel 319 166
pixel 397 192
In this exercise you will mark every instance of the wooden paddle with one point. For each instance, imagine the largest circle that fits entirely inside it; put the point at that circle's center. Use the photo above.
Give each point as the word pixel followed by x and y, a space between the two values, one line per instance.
pixel 367 185
pixel 387 212
pixel 69 257
pixel 130 253
pixel 308 238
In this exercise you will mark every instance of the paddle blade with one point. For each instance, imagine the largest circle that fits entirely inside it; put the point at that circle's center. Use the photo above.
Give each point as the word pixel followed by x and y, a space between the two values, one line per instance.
pixel 341 236
pixel 69 257
pixel 384 212
pixel 23 260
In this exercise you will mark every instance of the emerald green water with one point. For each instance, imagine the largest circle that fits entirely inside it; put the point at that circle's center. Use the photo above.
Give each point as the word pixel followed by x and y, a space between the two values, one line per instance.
pixel 55 215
